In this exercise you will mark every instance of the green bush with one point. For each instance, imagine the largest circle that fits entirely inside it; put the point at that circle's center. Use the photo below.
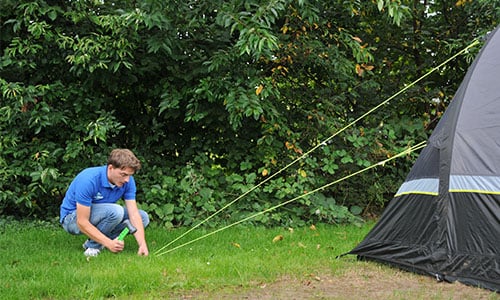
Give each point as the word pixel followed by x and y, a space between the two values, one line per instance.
pixel 215 99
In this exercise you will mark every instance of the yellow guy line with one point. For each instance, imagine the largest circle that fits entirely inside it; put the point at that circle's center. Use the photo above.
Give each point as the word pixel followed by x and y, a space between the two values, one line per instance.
pixel 381 163
pixel 320 144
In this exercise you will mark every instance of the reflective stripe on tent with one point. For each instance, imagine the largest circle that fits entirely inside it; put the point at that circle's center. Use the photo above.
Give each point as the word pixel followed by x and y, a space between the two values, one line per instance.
pixel 426 186
pixel 475 184
pixel 458 184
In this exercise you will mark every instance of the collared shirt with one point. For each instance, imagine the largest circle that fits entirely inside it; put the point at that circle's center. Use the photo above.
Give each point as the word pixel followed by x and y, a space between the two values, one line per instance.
pixel 91 186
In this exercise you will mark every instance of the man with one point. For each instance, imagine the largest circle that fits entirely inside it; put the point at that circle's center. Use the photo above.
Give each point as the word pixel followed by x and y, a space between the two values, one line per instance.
pixel 89 206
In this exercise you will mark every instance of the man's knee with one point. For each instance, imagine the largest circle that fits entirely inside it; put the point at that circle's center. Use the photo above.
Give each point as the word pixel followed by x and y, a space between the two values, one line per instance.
pixel 116 212
pixel 109 213
pixel 69 224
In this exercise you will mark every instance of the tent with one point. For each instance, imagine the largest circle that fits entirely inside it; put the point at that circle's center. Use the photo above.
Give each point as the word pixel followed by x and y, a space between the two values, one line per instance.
pixel 444 220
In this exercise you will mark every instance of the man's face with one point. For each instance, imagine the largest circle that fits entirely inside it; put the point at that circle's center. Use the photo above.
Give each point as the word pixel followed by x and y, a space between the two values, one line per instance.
pixel 119 176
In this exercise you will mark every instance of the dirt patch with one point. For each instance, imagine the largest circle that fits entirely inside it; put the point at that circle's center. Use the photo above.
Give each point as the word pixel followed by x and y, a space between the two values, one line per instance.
pixel 363 283
pixel 366 285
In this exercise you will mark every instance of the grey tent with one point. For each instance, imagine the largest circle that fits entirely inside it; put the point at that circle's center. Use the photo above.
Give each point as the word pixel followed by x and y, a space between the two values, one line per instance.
pixel 444 220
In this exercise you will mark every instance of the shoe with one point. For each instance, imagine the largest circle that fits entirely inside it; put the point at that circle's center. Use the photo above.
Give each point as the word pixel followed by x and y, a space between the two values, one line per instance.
pixel 92 252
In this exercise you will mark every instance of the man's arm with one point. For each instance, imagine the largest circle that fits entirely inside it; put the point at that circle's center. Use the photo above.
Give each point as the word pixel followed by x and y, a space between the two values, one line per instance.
pixel 135 219
pixel 83 222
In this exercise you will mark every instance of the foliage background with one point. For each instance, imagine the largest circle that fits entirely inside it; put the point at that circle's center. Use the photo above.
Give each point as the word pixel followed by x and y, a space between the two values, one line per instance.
pixel 216 96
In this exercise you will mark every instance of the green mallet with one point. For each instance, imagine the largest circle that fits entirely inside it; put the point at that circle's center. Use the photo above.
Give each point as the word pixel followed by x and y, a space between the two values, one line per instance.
pixel 129 228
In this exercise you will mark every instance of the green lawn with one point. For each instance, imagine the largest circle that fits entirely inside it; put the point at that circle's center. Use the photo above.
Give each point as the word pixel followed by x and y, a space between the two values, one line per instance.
pixel 42 261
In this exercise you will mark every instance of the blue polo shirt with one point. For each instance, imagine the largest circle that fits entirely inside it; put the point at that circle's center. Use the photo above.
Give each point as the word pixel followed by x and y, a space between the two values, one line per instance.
pixel 91 186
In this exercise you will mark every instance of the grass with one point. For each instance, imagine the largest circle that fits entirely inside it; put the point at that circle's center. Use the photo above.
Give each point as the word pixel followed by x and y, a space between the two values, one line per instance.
pixel 41 261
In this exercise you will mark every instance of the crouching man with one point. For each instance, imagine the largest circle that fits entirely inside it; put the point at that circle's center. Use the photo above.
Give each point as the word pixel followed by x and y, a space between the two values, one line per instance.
pixel 89 206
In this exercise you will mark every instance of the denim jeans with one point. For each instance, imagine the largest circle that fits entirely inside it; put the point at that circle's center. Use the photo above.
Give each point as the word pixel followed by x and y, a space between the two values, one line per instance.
pixel 107 217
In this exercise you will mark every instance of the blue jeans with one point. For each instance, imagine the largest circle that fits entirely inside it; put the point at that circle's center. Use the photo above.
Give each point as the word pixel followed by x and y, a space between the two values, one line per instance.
pixel 107 217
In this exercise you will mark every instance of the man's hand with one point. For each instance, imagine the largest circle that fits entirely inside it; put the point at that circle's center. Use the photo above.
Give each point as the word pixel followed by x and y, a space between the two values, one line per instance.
pixel 143 251
pixel 115 246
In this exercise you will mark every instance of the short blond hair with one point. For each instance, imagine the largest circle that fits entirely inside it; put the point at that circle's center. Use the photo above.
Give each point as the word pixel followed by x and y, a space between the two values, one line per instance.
pixel 124 158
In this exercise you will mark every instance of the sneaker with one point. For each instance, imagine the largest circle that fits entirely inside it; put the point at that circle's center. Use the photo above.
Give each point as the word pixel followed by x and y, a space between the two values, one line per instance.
pixel 92 252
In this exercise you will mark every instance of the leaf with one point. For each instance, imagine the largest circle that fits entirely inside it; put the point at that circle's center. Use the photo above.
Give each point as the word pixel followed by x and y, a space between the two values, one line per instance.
pixel 380 5
pixel 367 67
pixel 356 210
pixel 52 15
pixel 357 39
pixel 277 238
pixel 359 70
pixel 259 90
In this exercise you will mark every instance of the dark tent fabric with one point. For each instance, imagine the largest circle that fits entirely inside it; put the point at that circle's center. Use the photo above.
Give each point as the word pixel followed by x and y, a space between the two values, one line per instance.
pixel 444 220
